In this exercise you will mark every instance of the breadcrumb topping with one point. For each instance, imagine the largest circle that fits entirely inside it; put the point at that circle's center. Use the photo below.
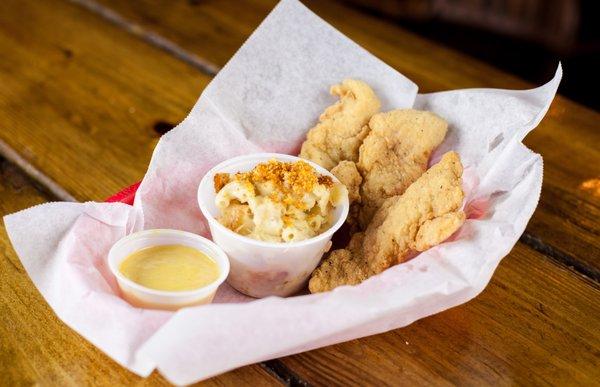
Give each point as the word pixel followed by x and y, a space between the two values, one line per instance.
pixel 220 180
pixel 290 180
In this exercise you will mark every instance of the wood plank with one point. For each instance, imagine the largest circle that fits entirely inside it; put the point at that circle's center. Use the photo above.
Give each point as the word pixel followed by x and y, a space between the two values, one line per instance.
pixel 535 324
pixel 80 97
pixel 513 319
pixel 567 216
pixel 212 30
pixel 567 138
pixel 215 29
pixel 112 121
pixel 36 72
pixel 531 322
pixel 35 346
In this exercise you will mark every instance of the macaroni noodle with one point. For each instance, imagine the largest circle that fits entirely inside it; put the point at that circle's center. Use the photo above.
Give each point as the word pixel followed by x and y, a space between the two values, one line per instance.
pixel 277 201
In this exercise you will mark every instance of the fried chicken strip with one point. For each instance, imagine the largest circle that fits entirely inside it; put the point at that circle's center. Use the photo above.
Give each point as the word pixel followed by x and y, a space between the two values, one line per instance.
pixel 342 126
pixel 342 267
pixel 348 175
pixel 424 216
pixel 395 153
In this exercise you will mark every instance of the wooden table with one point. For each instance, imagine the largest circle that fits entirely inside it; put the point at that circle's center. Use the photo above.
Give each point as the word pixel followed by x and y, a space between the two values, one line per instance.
pixel 88 88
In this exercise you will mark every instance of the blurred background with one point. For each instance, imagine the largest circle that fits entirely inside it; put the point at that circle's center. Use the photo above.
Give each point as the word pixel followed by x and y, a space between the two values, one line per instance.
pixel 524 37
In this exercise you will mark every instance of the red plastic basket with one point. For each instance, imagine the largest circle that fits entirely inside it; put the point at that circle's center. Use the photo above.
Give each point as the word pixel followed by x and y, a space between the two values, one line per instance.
pixel 126 195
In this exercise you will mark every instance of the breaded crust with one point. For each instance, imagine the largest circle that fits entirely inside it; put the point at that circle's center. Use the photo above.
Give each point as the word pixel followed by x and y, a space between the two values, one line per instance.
pixel 342 126
pixel 425 215
pixel 348 175
pixel 395 153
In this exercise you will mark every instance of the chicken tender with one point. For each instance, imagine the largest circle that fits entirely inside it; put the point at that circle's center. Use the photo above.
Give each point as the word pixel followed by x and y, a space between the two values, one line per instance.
pixel 342 267
pixel 342 126
pixel 424 216
pixel 395 153
pixel 349 176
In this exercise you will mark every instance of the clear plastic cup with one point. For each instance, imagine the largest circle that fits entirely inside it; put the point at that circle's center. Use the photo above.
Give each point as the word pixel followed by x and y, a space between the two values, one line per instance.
pixel 144 297
pixel 258 268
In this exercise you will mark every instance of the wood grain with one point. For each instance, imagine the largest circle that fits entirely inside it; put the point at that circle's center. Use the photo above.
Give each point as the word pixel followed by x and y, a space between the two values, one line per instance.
pixel 534 324
pixel 567 215
pixel 509 332
pixel 106 128
pixel 35 346
pixel 80 97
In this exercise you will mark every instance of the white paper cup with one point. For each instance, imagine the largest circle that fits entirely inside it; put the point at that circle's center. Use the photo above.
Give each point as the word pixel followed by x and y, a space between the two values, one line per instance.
pixel 144 297
pixel 258 268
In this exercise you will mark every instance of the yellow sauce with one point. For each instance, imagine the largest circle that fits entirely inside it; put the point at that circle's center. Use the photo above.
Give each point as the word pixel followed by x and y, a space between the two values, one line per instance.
pixel 170 267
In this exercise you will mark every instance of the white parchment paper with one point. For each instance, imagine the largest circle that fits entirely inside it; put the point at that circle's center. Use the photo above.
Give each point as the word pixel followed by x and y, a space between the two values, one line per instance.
pixel 265 99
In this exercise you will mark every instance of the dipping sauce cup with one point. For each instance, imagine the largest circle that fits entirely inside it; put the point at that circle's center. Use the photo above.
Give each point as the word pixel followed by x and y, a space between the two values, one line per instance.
pixel 145 297
pixel 259 268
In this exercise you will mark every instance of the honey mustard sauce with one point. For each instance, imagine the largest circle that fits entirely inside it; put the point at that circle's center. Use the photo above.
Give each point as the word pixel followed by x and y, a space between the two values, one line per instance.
pixel 170 268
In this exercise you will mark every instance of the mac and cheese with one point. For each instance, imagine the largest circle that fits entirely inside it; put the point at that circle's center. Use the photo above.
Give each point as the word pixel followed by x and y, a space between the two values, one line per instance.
pixel 277 201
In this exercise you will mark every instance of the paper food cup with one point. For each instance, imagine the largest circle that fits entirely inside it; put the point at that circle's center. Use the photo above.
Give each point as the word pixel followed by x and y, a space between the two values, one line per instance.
pixel 144 297
pixel 259 268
